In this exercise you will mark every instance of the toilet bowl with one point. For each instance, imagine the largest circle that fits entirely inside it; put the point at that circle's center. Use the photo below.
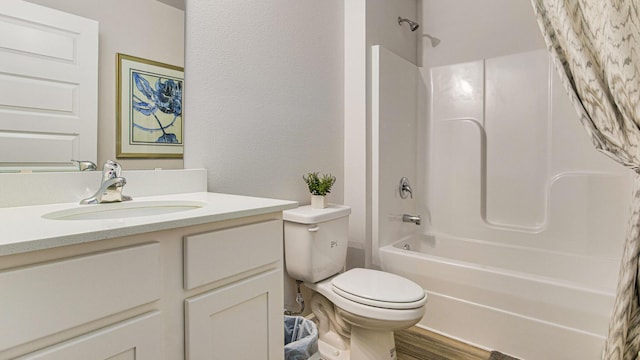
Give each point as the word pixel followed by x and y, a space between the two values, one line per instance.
pixel 360 299
pixel 357 310
pixel 376 296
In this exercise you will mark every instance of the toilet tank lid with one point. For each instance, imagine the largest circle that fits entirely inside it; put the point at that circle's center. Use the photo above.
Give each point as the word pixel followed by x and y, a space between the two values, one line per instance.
pixel 309 215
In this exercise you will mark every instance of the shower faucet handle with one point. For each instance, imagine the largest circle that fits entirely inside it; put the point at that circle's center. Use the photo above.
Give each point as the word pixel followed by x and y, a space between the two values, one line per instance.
pixel 405 188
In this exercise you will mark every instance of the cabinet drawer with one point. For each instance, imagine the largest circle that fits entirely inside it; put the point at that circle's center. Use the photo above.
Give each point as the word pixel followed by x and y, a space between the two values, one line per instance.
pixel 220 254
pixel 48 298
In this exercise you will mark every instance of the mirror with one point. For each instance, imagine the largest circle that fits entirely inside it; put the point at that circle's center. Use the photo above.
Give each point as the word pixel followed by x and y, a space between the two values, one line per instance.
pixel 150 29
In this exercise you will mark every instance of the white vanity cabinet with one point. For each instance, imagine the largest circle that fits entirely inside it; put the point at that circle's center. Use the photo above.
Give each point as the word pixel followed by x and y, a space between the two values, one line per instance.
pixel 243 319
pixel 206 291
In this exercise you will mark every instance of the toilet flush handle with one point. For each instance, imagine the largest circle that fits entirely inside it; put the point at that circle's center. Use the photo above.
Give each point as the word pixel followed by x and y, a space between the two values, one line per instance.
pixel 313 228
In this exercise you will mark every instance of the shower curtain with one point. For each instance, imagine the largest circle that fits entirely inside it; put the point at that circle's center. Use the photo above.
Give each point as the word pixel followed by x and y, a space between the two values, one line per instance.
pixel 596 48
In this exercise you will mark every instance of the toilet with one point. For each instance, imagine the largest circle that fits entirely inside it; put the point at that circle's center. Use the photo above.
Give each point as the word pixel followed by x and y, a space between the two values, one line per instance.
pixel 357 310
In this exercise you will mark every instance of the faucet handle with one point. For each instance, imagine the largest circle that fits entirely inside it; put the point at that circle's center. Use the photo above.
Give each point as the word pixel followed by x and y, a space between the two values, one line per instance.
pixel 111 170
pixel 405 188
pixel 117 168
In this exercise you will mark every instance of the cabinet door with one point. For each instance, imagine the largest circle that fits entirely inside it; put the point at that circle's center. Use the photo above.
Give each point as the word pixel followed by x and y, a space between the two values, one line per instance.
pixel 137 339
pixel 241 321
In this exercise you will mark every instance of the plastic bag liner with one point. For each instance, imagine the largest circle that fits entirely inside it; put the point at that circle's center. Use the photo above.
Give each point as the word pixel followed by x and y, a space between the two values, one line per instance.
pixel 300 338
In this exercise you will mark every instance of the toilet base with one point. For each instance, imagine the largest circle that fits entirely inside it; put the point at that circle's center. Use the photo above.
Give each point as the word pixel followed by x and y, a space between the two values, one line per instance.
pixel 365 344
pixel 329 352
pixel 345 335
pixel 369 344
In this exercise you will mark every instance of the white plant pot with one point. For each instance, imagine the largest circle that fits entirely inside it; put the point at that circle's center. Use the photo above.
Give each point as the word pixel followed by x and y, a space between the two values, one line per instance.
pixel 319 202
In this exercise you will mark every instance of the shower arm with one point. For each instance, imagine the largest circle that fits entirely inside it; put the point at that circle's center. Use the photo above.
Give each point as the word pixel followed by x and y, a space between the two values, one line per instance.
pixel 412 24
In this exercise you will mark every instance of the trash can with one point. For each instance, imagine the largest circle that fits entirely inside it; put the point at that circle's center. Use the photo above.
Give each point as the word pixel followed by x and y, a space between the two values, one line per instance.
pixel 300 338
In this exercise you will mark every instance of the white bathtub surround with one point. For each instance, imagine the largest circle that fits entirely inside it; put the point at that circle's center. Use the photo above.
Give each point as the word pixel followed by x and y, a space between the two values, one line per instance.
pixel 598 66
pixel 395 137
pixel 507 169
pixel 368 23
pixel 526 218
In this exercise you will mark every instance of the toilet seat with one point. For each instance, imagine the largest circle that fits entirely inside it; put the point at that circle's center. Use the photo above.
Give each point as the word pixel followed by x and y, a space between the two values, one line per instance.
pixel 379 289
pixel 414 312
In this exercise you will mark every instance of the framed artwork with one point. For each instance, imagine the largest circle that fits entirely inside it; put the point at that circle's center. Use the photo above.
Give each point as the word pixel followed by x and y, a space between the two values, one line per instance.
pixel 149 109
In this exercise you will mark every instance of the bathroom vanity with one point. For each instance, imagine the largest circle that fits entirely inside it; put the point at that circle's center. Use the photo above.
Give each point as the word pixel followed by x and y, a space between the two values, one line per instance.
pixel 203 281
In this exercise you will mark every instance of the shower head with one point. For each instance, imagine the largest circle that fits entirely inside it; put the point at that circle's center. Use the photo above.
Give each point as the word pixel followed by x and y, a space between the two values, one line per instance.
pixel 412 24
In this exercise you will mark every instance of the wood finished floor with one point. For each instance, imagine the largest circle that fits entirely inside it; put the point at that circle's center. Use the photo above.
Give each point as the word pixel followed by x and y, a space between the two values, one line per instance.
pixel 419 344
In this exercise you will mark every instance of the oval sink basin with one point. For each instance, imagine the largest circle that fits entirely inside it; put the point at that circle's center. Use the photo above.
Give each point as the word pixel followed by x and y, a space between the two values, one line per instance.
pixel 123 210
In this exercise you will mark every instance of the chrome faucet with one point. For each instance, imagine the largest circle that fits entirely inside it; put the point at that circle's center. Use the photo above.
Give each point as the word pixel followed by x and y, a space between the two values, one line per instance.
pixel 416 219
pixel 111 186
pixel 85 165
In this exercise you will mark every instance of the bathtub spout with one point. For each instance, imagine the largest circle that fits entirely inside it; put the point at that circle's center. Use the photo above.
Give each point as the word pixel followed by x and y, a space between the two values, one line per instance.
pixel 416 219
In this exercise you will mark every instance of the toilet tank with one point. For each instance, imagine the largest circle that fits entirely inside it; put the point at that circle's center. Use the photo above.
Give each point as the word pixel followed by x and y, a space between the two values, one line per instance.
pixel 315 241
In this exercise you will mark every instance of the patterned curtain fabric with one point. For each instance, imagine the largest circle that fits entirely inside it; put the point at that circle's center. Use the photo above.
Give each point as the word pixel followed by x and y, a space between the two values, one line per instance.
pixel 596 48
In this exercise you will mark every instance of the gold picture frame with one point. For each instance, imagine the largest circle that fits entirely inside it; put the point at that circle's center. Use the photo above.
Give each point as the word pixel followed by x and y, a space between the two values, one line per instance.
pixel 149 98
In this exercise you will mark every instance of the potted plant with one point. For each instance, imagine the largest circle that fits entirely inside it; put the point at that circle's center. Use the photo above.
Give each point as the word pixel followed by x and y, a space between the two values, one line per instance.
pixel 319 187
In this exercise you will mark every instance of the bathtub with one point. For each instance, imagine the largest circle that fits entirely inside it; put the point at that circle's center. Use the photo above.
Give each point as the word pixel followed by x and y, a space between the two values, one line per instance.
pixel 499 297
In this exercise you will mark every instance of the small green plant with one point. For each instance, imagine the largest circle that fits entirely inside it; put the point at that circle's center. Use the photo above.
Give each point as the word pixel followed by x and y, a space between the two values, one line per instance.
pixel 319 185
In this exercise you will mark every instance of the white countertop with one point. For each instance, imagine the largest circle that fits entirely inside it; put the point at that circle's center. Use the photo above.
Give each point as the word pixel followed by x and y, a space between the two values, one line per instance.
pixel 24 229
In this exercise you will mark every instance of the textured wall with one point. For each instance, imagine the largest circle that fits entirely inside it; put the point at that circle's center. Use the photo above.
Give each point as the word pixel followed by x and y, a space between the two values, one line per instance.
pixel 264 95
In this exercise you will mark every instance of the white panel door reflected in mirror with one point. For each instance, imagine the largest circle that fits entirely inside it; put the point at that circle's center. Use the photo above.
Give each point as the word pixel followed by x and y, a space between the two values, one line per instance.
pixel 48 88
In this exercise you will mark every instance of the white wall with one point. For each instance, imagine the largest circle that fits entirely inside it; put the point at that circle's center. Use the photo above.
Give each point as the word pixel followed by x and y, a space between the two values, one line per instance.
pixel 264 95
pixel 471 30
pixel 143 28
pixel 383 28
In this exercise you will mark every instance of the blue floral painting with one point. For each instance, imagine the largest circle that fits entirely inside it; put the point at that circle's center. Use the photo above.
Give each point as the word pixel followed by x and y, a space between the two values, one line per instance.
pixel 150 121
pixel 156 104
